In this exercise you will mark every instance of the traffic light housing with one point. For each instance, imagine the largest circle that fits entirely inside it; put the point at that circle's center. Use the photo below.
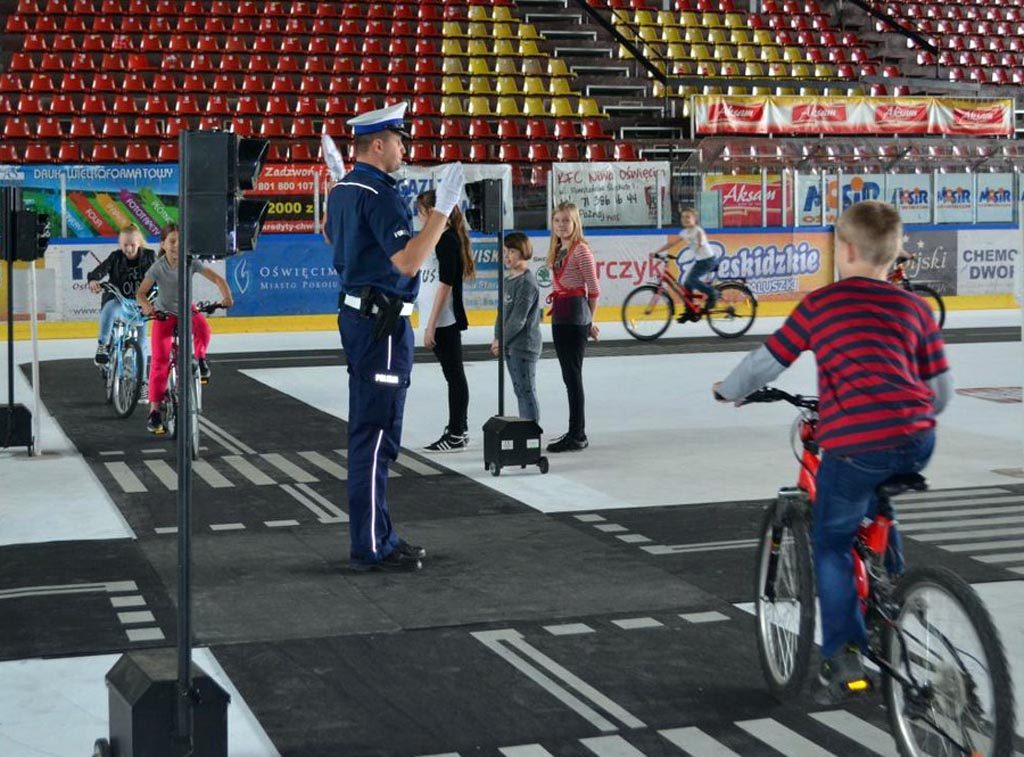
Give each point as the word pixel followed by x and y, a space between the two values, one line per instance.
pixel 30 233
pixel 483 213
pixel 216 167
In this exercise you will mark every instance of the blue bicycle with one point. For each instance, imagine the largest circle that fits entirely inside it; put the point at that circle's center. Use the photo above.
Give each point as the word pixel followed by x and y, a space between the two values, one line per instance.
pixel 124 372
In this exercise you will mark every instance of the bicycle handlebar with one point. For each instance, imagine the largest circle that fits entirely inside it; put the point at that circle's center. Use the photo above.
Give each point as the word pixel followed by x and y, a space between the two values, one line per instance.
pixel 771 394
pixel 199 307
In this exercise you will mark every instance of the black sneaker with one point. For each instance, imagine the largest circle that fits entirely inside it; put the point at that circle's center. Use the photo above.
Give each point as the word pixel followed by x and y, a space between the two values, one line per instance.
pixel 101 357
pixel 568 444
pixel 410 550
pixel 155 424
pixel 449 443
pixel 144 393
pixel 397 561
pixel 842 675
pixel 204 369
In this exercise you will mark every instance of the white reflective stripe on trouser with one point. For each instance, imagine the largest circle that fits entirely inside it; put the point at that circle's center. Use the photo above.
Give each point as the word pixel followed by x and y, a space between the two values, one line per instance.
pixel 389 352
pixel 373 493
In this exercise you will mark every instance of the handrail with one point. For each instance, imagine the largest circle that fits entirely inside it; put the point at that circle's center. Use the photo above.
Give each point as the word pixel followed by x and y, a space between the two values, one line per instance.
pixel 906 31
pixel 640 58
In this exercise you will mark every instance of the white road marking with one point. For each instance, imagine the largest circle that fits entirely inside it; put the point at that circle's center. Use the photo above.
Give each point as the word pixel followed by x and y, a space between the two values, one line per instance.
pixel 45 591
pixel 112 453
pixel 939 514
pixel 210 433
pixel 340 515
pixel 227 526
pixel 167 475
pixel 321 515
pixel 154 451
pixel 960 523
pixel 525 750
pixel 210 475
pixel 289 468
pixel 632 624
pixel 610 528
pixel 145 634
pixel 211 426
pixel 410 462
pixel 253 474
pixel 569 629
pixel 955 494
pixel 166 529
pixel 939 506
pixel 138 616
pixel 128 601
pixel 984 533
pixel 633 538
pixel 710 546
pixel 128 481
pixel 703 617
pixel 280 523
pixel 859 731
pixel 776 735
pixel 589 518
pixel 611 746
pixel 978 546
pixel 1012 557
pixel 325 464
pixel 696 743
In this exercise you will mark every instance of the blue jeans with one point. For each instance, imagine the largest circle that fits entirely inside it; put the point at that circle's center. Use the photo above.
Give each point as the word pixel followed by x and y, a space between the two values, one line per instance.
pixel 695 282
pixel 522 369
pixel 109 313
pixel 846 495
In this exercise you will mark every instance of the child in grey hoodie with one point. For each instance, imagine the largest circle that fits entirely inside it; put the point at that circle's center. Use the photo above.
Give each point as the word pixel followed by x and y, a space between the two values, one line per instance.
pixel 522 310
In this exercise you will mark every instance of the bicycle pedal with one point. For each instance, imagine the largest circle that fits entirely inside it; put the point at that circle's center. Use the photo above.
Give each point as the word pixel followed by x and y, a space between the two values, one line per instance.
pixel 204 381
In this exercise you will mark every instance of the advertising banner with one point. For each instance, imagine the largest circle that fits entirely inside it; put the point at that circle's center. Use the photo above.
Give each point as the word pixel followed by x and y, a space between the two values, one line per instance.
pixel 289 190
pixel 911 194
pixel 995 197
pixel 287 274
pixel 741 199
pixel 614 194
pixel 935 258
pixel 100 198
pixel 412 180
pixel 987 261
pixel 954 198
pixel 812 115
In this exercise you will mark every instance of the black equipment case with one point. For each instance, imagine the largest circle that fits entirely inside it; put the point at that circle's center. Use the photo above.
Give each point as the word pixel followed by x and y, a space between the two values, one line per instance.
pixel 512 441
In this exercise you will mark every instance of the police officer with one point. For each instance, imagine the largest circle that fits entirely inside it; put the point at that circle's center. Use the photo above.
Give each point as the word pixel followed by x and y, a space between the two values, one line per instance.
pixel 378 260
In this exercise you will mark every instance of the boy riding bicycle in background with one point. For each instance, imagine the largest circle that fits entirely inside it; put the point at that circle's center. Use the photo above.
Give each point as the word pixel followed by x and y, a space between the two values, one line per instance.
pixel 124 268
pixel 694 238
pixel 882 379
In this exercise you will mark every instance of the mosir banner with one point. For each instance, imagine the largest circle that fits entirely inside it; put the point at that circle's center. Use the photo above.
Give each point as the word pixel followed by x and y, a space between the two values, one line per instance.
pixel 795 115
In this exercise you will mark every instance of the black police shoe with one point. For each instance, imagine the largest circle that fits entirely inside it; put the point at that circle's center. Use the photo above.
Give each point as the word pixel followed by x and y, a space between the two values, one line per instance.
pixel 397 561
pixel 411 550
pixel 568 444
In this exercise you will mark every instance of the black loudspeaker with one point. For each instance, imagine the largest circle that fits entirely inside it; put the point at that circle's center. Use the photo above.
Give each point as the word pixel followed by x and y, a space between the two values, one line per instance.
pixel 510 441
pixel 143 689
pixel 484 211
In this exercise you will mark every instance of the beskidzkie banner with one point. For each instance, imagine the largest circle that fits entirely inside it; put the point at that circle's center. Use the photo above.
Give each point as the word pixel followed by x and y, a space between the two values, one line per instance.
pixel 813 115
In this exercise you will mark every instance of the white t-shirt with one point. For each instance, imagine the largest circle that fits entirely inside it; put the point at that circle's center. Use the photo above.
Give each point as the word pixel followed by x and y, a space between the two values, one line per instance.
pixel 697 241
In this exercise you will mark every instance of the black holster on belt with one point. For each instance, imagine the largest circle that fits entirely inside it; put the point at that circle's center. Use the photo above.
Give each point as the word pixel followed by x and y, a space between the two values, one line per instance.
pixel 383 309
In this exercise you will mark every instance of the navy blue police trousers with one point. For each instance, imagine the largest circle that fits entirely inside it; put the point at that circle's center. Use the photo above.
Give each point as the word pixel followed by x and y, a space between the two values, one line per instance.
pixel 378 379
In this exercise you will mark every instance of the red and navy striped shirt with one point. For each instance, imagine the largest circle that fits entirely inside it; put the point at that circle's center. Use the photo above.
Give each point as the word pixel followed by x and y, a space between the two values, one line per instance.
pixel 877 346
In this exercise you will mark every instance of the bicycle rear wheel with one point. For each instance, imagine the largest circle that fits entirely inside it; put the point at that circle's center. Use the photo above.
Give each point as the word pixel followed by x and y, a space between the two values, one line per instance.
pixel 170 405
pixel 934 301
pixel 943 639
pixel 647 312
pixel 734 313
pixel 127 370
pixel 784 600
pixel 193 412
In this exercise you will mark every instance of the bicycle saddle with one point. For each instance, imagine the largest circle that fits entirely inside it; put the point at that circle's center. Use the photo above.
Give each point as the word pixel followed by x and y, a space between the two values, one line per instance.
pixel 901 482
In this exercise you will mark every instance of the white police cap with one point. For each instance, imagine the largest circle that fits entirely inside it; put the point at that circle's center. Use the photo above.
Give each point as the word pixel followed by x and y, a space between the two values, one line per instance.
pixel 391 118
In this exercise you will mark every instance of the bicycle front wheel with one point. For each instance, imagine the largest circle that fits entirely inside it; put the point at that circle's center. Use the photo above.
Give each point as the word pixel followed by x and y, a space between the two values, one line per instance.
pixel 171 405
pixel 784 600
pixel 958 698
pixel 734 312
pixel 647 312
pixel 127 379
pixel 193 412
pixel 934 301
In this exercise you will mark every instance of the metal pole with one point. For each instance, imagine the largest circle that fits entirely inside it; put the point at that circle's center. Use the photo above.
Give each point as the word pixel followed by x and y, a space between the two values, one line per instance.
pixel 796 198
pixel 824 193
pixel 501 305
pixel 764 197
pixel 33 309
pixel 657 201
pixel 63 205
pixel 974 197
pixel 839 193
pixel 184 429
pixel 6 206
pixel 316 202
pixel 932 213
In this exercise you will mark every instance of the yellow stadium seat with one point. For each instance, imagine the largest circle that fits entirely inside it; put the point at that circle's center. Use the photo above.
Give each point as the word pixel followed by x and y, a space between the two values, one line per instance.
pixel 508 87
pixel 729 68
pixel 764 37
pixel 625 29
pixel 533 86
pixel 624 54
pixel 451 47
pixel 643 18
pixel 793 55
pixel 671 35
pixel 649 33
pixel 478 13
pixel 588 108
pixel 778 70
pixel 557 67
pixel 852 92
pixel 753 69
pixel 452 66
pixel 739 37
pixel 478 30
pixel 735 21
pixel 682 68
pixel 737 90
pixel 501 14
pixel 724 52
pixel 561 88
pixel 710 90
pixel 666 18
pixel 532 67
pixel 746 52
pixel 799 71
pixel 701 52
pixel 481 86
pixel 694 34
pixel 533 107
pixel 477 48
pixel 718 36
pixel 479 67
pixel 770 54
pixel 452 106
pixel 688 19
pixel 710 20
pixel 503 31
pixel 528 48
pixel 528 31
pixel 824 71
pixel 657 89
pixel 507 107
pixel 479 107
pixel 561 107
pixel 452 29
pixel 452 85
pixel 676 52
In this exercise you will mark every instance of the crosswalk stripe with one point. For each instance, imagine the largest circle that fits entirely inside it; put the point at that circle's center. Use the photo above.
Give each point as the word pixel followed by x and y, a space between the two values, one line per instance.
pixel 410 462
pixel 952 494
pixel 611 746
pixel 323 502
pixel 167 475
pixel 711 546
pixel 958 524
pixel 776 735
pixel 210 475
pixel 984 533
pixel 1006 510
pixel 392 473
pixel 322 515
pixel 234 440
pixel 696 743
pixel 1012 557
pixel 211 434
pixel 324 464
pixel 860 731
pixel 128 481
pixel 248 470
pixel 525 750
pixel 289 468
pixel 903 507
pixel 978 546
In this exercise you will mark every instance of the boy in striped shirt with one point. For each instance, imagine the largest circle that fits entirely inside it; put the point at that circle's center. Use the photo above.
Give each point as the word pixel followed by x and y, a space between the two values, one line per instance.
pixel 882 379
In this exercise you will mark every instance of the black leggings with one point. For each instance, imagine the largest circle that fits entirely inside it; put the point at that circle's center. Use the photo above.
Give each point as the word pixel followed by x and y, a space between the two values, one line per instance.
pixel 570 346
pixel 448 348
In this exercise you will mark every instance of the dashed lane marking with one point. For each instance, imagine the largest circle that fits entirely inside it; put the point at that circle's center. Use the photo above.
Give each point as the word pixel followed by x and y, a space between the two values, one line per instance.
pixel 138 616
pixel 167 475
pixel 611 746
pixel 696 743
pixel 859 731
pixel 249 471
pixel 712 616
pixel 569 629
pixel 634 624
pixel 210 475
pixel 289 468
pixel 325 464
pixel 128 481
pixel 280 523
pixel 227 526
pixel 780 737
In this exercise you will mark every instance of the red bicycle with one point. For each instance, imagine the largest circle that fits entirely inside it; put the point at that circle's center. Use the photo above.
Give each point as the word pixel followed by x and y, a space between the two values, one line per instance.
pixel 945 678
pixel 648 310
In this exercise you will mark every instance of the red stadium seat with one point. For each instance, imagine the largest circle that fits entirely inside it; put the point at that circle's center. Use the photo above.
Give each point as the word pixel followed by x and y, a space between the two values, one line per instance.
pixel 288 64
pixel 125 105
pixel 539 153
pixel 147 128
pixel 271 128
pixel 30 104
pixel 307 106
pixel 364 105
pixel 61 105
pixel 81 128
pixel 114 128
pixel 565 129
pixel 242 127
pixel 175 125
pixel 40 83
pixel 165 83
pixel 17 128
pixel 12 82
pixel 224 83
pixel 210 123
pixel 68 152
pixel 217 105
pixel 480 128
pixel 187 105
pixel 167 152
pixel 17 24
pixel 568 152
pixel 138 152
pixel 596 152
pixel 21 62
pixel 104 152
pixel 508 129
pixel 277 105
pixel 593 130
pixel 302 128
pixel 247 105
pixel 156 105
pixel 334 127
pixel 424 106
pixel 625 151
pixel 451 128
pixel 422 152
pixel 260 64
pixel 38 153
pixel 478 153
